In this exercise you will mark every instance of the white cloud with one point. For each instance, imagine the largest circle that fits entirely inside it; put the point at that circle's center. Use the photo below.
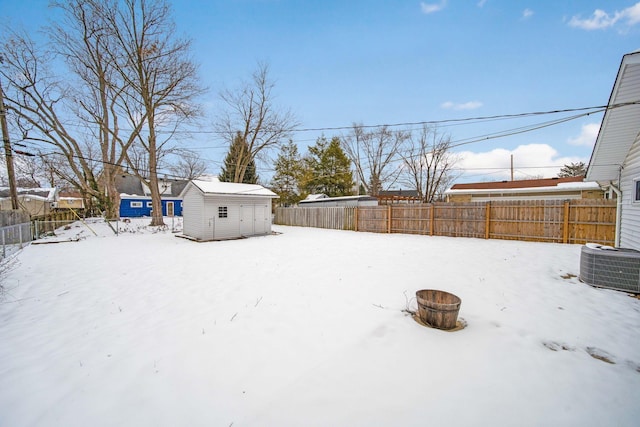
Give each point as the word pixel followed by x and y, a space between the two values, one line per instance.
pixel 531 160
pixel 527 13
pixel 481 3
pixel 588 135
pixel 471 105
pixel 601 20
pixel 428 8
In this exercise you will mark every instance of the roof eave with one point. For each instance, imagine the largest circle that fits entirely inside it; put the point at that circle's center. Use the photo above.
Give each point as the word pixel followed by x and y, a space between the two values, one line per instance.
pixel 609 152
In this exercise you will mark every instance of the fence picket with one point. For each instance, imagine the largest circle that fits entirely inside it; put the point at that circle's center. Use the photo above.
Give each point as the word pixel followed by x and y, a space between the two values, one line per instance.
pixel 573 221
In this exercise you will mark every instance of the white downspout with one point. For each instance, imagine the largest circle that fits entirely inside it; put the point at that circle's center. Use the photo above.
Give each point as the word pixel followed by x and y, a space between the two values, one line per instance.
pixel 618 213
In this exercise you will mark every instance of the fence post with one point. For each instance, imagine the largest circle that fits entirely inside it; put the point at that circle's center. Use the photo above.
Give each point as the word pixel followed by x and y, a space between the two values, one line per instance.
pixel 389 219
pixel 565 230
pixel 432 219
pixel 487 219
pixel 356 219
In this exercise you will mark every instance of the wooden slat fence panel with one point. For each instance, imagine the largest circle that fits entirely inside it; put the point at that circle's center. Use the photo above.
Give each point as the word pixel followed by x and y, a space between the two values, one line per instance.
pixel 374 219
pixel 533 220
pixel 411 221
pixel 337 218
pixel 560 221
pixel 592 221
pixel 459 219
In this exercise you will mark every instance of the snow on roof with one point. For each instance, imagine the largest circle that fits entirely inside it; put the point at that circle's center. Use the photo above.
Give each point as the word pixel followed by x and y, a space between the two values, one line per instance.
pixel 329 199
pixel 217 187
pixel 45 194
pixel 316 196
pixel 560 187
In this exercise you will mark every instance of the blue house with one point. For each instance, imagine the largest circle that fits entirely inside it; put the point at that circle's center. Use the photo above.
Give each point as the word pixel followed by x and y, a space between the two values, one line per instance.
pixel 135 196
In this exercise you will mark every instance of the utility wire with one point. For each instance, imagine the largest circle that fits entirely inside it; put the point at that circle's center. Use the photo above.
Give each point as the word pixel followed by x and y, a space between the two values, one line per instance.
pixel 587 111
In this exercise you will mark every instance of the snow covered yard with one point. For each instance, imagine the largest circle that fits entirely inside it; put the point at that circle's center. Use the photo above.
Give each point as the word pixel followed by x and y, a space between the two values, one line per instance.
pixel 306 328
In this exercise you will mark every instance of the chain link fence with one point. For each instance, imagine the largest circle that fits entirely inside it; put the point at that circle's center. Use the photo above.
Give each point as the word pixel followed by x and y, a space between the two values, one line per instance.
pixel 15 237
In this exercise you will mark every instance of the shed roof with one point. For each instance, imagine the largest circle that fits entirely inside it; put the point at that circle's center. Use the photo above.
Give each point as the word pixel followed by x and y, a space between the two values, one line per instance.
pixel 620 125
pixel 232 188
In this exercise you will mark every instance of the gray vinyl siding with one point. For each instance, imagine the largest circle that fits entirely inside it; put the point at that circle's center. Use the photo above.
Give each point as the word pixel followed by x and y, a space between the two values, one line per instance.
pixel 192 213
pixel 245 215
pixel 630 213
pixel 222 228
pixel 233 226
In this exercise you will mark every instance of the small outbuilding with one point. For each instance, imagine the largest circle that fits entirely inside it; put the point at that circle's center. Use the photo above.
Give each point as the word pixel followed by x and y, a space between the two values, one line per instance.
pixel 214 210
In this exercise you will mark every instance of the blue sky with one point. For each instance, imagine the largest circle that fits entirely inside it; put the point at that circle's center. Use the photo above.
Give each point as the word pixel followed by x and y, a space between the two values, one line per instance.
pixel 388 62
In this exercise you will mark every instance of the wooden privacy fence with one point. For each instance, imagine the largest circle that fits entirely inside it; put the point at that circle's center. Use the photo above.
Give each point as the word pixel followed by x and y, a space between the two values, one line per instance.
pixel 560 221
pixel 336 218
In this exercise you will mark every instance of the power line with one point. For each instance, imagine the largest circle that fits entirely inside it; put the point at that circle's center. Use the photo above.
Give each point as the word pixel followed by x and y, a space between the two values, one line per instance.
pixel 586 111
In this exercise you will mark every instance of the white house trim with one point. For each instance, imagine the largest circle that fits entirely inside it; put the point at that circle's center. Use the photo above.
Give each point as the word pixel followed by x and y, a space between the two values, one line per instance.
pixel 615 160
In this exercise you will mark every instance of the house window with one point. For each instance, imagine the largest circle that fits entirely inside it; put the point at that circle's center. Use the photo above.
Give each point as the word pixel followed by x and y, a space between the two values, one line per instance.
pixel 222 211
pixel 636 184
pixel 149 204
pixel 136 204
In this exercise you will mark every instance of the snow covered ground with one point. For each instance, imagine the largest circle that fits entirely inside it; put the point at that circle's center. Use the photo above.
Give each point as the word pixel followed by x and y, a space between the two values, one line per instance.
pixel 306 328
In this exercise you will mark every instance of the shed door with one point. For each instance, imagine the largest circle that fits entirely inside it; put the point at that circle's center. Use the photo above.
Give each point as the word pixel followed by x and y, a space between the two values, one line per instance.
pixel 247 220
pixel 260 219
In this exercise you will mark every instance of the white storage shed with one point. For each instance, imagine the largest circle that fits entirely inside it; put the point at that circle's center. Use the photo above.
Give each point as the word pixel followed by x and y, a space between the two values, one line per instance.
pixel 214 210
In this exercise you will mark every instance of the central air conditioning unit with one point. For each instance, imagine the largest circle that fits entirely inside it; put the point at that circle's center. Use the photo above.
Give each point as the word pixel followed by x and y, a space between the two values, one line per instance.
pixel 611 268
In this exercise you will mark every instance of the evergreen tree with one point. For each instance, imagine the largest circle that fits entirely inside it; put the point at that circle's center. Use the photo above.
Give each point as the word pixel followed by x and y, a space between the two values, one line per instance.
pixel 574 169
pixel 288 169
pixel 327 169
pixel 238 150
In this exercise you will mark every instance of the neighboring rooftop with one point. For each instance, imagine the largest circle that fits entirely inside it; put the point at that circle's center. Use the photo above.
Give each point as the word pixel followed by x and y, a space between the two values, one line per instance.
pixel 43 193
pixel 525 183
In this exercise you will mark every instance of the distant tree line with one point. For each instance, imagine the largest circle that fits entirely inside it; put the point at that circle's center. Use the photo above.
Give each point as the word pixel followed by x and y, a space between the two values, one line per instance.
pixel 382 158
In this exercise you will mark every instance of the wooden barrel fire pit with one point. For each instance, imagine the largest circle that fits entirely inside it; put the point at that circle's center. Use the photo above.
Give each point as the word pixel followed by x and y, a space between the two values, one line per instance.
pixel 438 309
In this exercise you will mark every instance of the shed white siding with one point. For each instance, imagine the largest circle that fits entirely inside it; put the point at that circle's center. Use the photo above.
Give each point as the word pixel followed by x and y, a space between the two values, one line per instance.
pixel 193 212
pixel 227 214
pixel 630 213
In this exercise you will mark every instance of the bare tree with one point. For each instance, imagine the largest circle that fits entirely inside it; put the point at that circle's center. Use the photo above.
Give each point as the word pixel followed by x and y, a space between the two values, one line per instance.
pixel 40 109
pixel 251 115
pixel 188 166
pixel 428 163
pixel 160 82
pixel 85 41
pixel 373 153
pixel 29 171
pixel 125 66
